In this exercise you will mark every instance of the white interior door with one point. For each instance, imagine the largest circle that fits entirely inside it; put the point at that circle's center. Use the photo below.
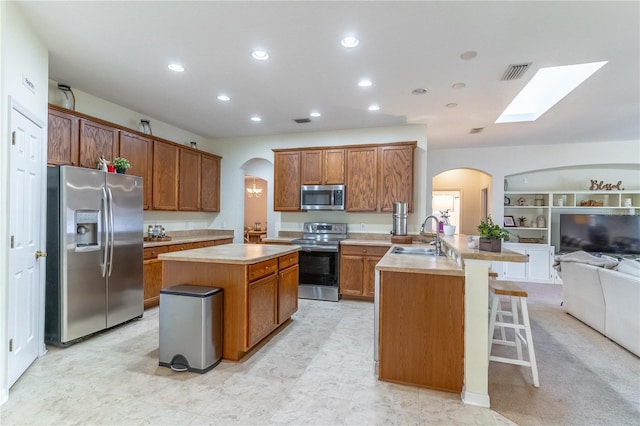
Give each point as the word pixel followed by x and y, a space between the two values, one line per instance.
pixel 26 271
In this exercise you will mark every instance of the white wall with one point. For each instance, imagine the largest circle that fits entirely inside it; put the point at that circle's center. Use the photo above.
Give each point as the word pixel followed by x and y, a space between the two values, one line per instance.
pixel 499 162
pixel 21 55
pixel 237 151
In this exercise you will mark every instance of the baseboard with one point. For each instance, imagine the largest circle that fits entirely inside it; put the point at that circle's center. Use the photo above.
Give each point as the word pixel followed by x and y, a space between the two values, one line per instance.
pixel 477 399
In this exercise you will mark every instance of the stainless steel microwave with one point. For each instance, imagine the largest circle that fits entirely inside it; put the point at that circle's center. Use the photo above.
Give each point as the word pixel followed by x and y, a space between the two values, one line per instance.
pixel 322 197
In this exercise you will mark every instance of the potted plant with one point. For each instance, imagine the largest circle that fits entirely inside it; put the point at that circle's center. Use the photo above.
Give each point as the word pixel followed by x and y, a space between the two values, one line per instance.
pixel 522 220
pixel 447 228
pixel 491 235
pixel 121 164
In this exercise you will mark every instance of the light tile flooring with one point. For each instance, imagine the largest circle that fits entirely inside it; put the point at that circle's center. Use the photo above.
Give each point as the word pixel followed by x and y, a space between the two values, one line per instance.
pixel 316 371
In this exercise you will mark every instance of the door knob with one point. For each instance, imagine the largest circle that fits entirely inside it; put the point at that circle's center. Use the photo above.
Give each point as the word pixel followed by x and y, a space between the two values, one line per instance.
pixel 41 254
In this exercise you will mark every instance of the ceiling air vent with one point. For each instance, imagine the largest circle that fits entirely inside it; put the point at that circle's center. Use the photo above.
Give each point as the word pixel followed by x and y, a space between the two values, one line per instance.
pixel 476 130
pixel 302 120
pixel 514 72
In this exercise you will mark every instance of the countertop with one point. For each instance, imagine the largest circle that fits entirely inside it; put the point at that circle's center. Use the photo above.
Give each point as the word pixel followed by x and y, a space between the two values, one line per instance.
pixel 459 245
pixel 230 253
pixel 182 237
pixel 419 264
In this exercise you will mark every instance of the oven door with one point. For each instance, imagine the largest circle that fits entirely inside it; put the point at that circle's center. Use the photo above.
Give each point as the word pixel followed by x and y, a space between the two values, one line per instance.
pixel 319 274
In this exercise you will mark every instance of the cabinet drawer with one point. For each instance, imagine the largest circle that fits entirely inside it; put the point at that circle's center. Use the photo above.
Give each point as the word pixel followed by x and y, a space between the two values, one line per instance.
pixel 262 269
pixel 153 252
pixel 364 250
pixel 180 247
pixel 287 260
pixel 223 241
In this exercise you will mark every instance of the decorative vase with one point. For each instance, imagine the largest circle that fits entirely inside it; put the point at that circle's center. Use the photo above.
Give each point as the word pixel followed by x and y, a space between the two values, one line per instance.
pixel 121 171
pixel 490 244
pixel 449 229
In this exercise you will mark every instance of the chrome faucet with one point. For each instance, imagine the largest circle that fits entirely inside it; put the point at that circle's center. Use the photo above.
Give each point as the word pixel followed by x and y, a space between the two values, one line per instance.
pixel 438 243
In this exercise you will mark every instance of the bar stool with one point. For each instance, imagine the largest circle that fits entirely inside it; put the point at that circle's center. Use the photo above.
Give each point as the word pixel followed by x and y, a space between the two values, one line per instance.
pixel 515 294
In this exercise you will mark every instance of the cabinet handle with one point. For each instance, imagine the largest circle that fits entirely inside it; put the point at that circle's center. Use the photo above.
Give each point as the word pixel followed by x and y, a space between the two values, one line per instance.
pixel 364 250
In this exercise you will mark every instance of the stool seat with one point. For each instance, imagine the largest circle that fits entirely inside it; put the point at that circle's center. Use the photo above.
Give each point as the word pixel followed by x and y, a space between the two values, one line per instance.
pixel 513 291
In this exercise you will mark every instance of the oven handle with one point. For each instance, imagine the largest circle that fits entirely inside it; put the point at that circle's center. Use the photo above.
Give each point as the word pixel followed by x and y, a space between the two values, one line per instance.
pixel 321 249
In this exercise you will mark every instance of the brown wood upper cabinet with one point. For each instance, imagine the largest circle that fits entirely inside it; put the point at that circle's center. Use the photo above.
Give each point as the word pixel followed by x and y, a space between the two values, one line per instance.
pixel 63 139
pixel 323 167
pixel 139 151
pixel 286 195
pixel 210 183
pixel 95 140
pixel 190 180
pixel 378 176
pixel 165 176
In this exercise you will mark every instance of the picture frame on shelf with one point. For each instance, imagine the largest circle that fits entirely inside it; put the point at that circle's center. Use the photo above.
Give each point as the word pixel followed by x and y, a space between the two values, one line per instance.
pixel 509 222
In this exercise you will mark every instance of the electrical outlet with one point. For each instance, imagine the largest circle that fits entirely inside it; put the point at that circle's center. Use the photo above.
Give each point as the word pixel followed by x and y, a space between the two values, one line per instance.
pixel 362 226
pixel 223 224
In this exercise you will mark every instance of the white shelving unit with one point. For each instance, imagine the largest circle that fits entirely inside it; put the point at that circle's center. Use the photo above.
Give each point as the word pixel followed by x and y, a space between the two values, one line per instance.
pixel 541 209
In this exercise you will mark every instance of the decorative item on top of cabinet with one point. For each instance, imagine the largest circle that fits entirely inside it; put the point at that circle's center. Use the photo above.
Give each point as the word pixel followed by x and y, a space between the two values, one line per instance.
pixel 286 192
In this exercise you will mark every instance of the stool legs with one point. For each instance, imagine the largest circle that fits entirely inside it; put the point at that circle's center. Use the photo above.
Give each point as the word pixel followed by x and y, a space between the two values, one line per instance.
pixel 497 313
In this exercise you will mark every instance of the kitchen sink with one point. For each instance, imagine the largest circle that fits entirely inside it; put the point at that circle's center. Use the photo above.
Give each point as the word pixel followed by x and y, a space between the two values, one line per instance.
pixel 421 251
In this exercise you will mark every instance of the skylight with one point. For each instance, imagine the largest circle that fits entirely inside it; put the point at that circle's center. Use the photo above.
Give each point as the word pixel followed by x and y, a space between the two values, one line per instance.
pixel 547 87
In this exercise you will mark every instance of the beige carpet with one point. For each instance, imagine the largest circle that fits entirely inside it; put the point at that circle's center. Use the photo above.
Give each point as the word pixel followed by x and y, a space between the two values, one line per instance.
pixel 585 379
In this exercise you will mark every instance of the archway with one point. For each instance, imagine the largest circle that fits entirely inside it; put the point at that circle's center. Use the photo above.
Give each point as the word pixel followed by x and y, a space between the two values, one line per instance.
pixel 473 188
pixel 258 204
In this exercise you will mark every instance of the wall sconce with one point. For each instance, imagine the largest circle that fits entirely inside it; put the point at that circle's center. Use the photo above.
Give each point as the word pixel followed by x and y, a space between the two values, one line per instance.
pixel 68 99
pixel 253 192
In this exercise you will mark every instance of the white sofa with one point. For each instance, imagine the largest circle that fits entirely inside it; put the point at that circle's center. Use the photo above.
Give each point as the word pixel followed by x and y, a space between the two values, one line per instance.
pixel 608 300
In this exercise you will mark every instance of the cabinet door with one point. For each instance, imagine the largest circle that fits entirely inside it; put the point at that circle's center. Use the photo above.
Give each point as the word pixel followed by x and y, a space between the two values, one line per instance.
pixel 96 140
pixel 286 196
pixel 362 180
pixel 369 275
pixel 396 177
pixel 139 152
pixel 540 261
pixel 189 181
pixel 312 167
pixel 516 270
pixel 152 279
pixel 210 184
pixel 287 293
pixel 351 274
pixel 334 167
pixel 165 176
pixel 63 139
pixel 262 309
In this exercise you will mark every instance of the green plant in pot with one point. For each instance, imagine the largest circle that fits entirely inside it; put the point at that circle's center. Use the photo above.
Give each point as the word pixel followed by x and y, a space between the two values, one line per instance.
pixel 121 164
pixel 491 235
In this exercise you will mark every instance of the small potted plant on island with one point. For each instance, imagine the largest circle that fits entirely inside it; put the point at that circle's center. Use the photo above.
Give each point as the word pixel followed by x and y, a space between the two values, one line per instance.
pixel 121 164
pixel 522 220
pixel 491 235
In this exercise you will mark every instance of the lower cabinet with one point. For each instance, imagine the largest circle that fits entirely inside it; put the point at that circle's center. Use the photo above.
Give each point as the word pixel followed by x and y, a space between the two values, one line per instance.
pixel 262 309
pixel 357 269
pixel 538 269
pixel 152 267
pixel 288 279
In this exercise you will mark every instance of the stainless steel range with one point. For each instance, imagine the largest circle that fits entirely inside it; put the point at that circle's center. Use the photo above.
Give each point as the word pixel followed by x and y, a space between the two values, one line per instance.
pixel 319 261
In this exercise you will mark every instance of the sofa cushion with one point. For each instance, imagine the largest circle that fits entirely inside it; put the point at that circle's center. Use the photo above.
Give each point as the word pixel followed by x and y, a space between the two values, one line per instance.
pixel 628 266
pixel 622 300
pixel 582 294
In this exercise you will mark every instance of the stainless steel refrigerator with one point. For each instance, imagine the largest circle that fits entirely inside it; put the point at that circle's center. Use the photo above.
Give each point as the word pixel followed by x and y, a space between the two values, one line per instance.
pixel 94 252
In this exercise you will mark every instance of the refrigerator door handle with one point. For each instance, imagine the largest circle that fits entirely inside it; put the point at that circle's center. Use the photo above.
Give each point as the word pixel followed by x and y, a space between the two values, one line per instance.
pixel 105 232
pixel 111 230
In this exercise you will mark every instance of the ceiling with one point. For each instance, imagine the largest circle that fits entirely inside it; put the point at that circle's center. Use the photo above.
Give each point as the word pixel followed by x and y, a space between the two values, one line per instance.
pixel 119 51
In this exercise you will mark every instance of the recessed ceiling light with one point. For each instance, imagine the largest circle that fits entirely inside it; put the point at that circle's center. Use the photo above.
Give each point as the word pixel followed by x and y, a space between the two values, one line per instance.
pixel 365 83
pixel 458 86
pixel 419 91
pixel 314 114
pixel 350 41
pixel 176 67
pixel 260 55
pixel 547 87
pixel 256 118
pixel 373 108
pixel 469 55
pixel 224 98
pixel 451 105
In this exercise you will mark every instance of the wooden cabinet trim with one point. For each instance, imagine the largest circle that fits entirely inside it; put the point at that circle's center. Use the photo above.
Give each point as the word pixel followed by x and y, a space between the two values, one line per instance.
pixel 262 269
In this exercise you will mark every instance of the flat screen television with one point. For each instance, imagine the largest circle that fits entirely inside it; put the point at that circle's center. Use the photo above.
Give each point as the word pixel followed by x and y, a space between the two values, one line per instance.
pixel 619 234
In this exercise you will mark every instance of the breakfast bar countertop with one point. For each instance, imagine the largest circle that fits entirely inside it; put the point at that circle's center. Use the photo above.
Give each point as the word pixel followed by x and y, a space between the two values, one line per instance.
pixel 230 253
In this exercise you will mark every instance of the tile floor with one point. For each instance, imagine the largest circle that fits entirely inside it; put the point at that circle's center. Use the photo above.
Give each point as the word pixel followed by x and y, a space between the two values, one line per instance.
pixel 316 371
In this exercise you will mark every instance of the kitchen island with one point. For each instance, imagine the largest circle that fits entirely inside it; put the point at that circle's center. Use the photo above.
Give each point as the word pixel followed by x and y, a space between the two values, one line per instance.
pixel 260 284
pixel 431 325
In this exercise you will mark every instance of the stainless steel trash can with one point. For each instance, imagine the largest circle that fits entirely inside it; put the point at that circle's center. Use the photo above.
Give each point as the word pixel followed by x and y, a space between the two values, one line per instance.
pixel 190 327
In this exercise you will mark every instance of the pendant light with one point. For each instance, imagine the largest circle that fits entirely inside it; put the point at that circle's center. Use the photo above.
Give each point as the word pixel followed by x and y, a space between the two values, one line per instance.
pixel 253 192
